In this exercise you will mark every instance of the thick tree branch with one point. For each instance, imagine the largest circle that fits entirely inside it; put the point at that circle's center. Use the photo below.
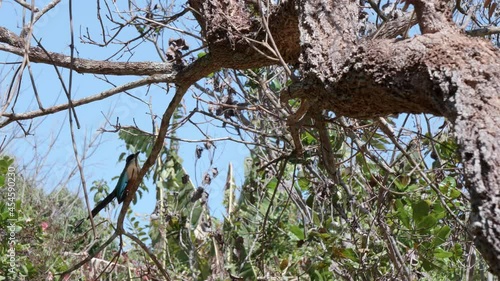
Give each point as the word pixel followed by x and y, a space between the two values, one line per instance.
pixel 433 15
pixel 402 76
pixel 477 103
pixel 319 21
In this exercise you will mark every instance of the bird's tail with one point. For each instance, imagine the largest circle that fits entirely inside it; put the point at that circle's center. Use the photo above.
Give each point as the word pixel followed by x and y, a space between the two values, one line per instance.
pixel 98 208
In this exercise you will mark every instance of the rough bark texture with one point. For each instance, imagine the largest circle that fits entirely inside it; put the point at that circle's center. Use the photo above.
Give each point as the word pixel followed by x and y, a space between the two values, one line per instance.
pixel 477 104
pixel 442 72
pixel 327 36
pixel 235 28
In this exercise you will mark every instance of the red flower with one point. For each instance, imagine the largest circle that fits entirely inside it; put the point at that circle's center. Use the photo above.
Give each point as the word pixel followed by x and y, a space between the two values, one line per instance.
pixel 44 225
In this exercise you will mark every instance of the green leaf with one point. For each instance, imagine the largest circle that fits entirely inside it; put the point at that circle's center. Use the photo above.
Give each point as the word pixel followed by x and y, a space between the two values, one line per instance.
pixel 458 250
pixel 316 276
pixel 275 85
pixel 455 193
pixel 316 219
pixel 412 187
pixel 264 206
pixel 403 214
pixel 303 183
pixel 420 210
pixel 350 254
pixel 449 187
pixel 297 231
pixel 308 139
pixel 442 254
pixel 24 270
pixel 439 211
pixel 5 163
pixel 400 185
pixel 272 184
pixel 201 54
pixel 450 181
pixel 310 201
pixel 247 272
pixel 428 265
pixel 441 235
pixel 293 102
pixel 426 223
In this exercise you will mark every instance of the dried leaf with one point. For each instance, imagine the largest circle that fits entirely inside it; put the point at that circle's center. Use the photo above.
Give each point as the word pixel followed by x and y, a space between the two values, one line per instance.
pixel 185 179
pixel 225 106
pixel 198 151
pixel 197 194
pixel 207 179
pixel 208 144
pixel 492 9
pixel 204 198
pixel 174 50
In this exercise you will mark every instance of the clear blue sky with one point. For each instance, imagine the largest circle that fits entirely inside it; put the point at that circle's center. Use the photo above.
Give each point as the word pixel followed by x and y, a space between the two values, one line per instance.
pixel 53 130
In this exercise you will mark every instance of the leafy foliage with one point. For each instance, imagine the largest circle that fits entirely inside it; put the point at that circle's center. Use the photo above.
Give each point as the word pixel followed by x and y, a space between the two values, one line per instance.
pixel 396 211
pixel 32 224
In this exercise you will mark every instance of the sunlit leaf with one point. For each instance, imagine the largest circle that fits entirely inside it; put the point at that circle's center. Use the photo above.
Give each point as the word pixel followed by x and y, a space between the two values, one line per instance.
pixel 442 254
pixel 441 235
pixel 350 254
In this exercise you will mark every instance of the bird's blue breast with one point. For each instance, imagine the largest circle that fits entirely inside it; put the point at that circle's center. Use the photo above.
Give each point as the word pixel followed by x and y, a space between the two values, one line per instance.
pixel 121 186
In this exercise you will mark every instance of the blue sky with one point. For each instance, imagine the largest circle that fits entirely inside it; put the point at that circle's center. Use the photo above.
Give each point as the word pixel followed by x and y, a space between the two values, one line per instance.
pixel 52 136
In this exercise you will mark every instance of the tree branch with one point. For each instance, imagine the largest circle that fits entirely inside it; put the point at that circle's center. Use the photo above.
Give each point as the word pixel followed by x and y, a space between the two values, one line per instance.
pixel 167 78
pixel 15 45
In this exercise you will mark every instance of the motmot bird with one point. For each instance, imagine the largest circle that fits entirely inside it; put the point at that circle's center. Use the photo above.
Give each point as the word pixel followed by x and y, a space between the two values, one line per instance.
pixel 129 173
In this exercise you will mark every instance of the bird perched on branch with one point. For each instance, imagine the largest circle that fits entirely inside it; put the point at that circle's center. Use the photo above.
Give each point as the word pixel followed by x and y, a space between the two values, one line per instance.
pixel 129 173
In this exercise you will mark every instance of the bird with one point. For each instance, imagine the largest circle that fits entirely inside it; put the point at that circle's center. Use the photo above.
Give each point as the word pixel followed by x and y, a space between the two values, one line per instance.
pixel 129 173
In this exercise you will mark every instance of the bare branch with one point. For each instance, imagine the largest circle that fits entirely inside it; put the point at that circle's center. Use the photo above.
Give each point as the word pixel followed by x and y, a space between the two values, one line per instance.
pixel 15 45
pixel 484 31
pixel 168 78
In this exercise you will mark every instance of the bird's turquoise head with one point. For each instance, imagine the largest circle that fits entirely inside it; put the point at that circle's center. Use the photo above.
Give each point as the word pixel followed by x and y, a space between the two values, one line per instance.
pixel 131 157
